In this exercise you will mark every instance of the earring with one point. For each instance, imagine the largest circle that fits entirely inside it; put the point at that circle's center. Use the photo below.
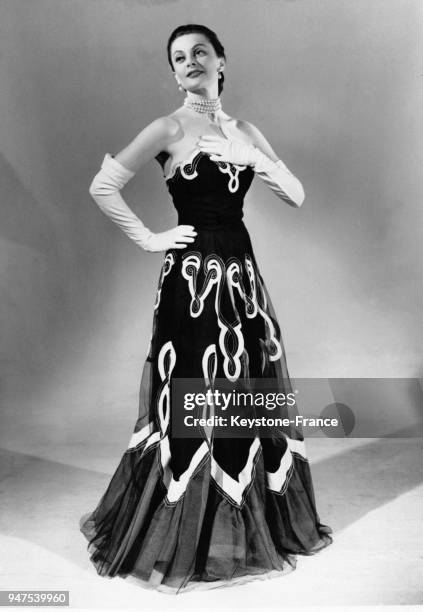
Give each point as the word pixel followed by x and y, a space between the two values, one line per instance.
pixel 219 74
pixel 180 87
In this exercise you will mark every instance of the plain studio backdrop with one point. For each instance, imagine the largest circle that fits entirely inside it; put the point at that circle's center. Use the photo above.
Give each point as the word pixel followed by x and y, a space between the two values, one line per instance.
pixel 335 86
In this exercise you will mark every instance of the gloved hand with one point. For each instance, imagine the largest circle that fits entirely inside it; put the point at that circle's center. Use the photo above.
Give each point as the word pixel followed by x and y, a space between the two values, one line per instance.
pixel 227 150
pixel 176 238
pixel 104 189
pixel 275 174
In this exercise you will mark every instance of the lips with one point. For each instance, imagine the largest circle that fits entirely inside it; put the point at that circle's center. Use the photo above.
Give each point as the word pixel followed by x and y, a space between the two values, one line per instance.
pixel 194 73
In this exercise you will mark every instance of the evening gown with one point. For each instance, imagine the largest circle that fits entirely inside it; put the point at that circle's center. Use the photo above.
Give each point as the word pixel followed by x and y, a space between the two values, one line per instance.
pixel 191 513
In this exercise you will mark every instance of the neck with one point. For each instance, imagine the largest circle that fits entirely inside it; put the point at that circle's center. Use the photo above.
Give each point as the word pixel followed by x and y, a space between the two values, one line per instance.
pixel 202 94
pixel 202 103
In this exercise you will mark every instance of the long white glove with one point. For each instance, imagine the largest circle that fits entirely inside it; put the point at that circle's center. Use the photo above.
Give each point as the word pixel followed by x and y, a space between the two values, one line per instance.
pixel 104 189
pixel 275 174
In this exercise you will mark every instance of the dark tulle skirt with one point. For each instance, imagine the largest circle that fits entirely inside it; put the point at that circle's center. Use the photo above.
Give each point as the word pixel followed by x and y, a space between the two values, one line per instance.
pixel 193 513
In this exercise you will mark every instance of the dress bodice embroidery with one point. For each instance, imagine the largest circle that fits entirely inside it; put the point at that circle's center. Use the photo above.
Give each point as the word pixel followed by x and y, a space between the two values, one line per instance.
pixel 187 168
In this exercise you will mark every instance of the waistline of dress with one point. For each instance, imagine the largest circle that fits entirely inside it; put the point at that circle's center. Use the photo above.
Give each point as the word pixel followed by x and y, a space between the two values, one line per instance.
pixel 212 220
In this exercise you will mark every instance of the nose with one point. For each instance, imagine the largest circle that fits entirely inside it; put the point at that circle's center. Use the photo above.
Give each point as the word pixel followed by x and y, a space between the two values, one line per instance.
pixel 191 60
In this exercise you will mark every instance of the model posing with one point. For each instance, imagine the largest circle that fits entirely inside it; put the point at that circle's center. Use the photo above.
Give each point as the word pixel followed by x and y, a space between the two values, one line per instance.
pixel 182 513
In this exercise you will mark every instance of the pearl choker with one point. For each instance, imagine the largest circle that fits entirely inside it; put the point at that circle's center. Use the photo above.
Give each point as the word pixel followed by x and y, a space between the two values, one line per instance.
pixel 201 104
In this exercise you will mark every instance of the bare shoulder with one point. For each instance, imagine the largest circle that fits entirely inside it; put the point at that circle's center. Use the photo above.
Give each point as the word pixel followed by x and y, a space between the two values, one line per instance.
pixel 169 124
pixel 148 143
pixel 256 137
pixel 173 126
pixel 246 127
pixel 163 128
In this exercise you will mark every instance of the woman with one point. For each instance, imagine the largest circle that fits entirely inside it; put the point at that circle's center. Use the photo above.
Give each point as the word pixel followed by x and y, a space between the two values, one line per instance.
pixel 200 511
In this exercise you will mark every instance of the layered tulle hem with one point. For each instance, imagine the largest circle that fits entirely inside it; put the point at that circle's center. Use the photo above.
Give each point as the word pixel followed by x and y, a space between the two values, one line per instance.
pixel 203 540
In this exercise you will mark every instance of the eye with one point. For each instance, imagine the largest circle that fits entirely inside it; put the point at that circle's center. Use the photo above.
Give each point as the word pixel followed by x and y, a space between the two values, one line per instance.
pixel 200 51
pixel 178 58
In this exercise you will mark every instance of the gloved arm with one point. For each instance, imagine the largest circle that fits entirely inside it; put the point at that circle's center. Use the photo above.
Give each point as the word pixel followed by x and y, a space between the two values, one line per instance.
pixel 274 173
pixel 105 188
pixel 277 176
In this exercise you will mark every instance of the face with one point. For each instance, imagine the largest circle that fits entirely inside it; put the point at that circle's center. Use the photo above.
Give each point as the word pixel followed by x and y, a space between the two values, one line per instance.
pixel 195 62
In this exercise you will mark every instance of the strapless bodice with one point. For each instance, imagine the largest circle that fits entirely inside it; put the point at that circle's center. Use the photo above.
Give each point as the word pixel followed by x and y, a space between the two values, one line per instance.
pixel 208 194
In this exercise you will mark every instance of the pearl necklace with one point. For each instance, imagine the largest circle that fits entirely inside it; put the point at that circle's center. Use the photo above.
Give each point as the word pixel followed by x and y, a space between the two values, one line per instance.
pixel 201 104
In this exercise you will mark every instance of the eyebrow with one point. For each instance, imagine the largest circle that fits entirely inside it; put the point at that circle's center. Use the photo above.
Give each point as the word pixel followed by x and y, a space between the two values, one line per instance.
pixel 196 45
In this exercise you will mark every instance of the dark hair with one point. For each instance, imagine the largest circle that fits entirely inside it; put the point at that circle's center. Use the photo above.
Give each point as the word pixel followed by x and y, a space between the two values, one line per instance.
pixel 193 28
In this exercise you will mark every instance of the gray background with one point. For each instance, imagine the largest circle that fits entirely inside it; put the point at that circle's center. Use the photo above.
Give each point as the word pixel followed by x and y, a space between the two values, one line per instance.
pixel 335 86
